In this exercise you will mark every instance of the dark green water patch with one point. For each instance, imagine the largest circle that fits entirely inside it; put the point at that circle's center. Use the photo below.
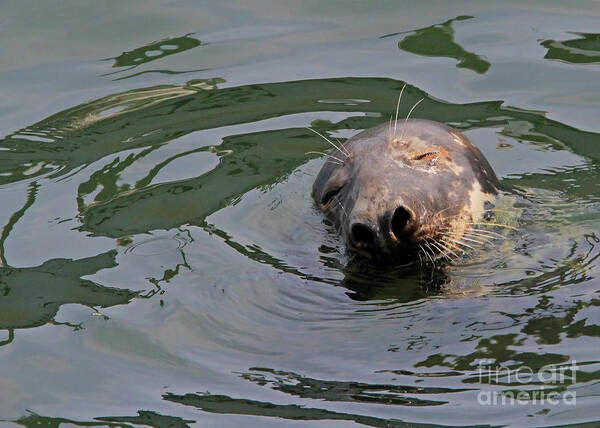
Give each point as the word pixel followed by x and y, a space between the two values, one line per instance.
pixel 79 141
pixel 155 51
pixel 31 297
pixel 585 49
pixel 438 41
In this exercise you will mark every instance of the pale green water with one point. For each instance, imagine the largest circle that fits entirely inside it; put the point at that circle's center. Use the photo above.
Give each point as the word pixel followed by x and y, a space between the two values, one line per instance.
pixel 163 264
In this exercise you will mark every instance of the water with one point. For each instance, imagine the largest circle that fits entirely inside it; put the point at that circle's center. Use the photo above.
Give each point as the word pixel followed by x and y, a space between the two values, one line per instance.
pixel 163 264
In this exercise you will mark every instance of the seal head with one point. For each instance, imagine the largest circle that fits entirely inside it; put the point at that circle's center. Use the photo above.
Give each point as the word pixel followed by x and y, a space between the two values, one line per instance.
pixel 401 197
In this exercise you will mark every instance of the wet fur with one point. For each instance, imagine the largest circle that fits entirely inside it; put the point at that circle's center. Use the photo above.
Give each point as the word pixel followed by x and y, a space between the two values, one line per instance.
pixel 434 171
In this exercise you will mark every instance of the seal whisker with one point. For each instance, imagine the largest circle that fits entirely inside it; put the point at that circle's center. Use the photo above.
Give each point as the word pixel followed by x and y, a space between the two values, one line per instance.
pixel 487 233
pixel 448 207
pixel 341 148
pixel 342 206
pixel 446 246
pixel 407 116
pixel 458 216
pixel 471 223
pixel 437 245
pixel 469 238
pixel 419 254
pixel 475 234
pixel 459 243
pixel 341 144
pixel 397 108
pixel 484 234
pixel 441 252
pixel 430 249
pixel 337 160
pixel 483 238
pixel 427 253
pixel 472 238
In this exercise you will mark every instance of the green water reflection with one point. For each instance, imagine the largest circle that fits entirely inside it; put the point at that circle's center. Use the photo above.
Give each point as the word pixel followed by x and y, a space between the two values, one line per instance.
pixel 32 296
pixel 583 50
pixel 155 51
pixel 131 208
pixel 143 418
pixel 438 41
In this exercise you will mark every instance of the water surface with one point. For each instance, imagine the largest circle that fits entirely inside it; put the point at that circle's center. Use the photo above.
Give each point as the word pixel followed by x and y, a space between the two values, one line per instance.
pixel 163 264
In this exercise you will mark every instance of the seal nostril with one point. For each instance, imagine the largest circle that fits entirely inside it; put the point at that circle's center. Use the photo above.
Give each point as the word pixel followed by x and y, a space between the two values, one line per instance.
pixel 400 221
pixel 363 234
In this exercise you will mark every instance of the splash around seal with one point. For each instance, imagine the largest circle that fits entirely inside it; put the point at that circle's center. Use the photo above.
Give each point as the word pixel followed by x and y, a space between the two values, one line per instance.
pixel 414 194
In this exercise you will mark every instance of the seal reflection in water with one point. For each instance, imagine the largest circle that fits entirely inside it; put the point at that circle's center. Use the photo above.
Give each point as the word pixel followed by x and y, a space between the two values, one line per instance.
pixel 411 190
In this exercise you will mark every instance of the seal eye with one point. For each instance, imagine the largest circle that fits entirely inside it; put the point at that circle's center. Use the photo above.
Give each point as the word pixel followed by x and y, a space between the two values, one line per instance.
pixel 427 155
pixel 329 195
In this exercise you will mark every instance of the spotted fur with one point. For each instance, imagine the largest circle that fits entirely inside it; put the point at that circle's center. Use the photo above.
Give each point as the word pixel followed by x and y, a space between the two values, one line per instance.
pixel 405 190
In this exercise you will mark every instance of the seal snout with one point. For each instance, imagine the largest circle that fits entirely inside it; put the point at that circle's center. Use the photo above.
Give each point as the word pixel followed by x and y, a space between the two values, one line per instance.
pixel 381 234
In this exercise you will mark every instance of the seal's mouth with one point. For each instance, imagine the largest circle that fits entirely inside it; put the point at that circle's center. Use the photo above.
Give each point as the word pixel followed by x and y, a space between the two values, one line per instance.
pixel 398 256
pixel 423 249
pixel 390 252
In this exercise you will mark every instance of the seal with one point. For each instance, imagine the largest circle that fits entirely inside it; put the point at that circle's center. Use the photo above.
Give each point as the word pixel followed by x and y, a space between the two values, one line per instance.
pixel 411 190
